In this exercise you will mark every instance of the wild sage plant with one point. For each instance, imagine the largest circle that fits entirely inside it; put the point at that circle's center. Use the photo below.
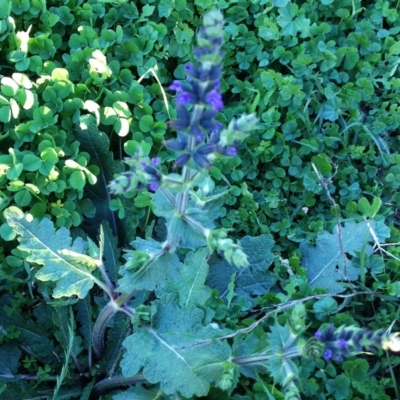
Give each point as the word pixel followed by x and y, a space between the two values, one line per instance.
pixel 175 342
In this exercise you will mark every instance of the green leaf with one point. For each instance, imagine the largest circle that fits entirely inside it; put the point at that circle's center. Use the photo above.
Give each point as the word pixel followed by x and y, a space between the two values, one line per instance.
pixel 31 162
pixel 5 114
pixel 146 123
pixel 180 365
pixel 324 307
pixel 324 262
pixel 151 275
pixel 77 180
pixel 111 252
pixel 165 8
pixel 280 3
pixel 5 9
pixel 84 317
pixel 9 357
pixel 291 20
pixel 97 144
pixel 339 387
pixel 9 87
pixel 369 210
pixel 190 286
pixel 323 165
pixel 7 233
pixel 43 245
pixel 140 393
pixel 23 198
pixel 251 281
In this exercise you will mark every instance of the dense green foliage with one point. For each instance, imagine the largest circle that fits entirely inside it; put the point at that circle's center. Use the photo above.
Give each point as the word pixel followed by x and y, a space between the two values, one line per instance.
pixel 310 201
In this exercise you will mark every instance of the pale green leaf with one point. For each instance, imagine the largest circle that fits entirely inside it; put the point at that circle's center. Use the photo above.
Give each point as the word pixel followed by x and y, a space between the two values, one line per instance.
pixel 150 276
pixel 43 245
pixel 191 287
pixel 180 365
pixel 324 262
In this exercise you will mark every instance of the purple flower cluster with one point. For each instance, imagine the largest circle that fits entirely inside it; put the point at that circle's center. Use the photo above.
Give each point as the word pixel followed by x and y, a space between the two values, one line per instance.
pixel 346 341
pixel 152 169
pixel 144 174
pixel 199 101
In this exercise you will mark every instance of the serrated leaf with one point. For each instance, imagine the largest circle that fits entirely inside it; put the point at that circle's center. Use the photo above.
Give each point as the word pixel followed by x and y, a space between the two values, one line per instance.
pixel 43 244
pixel 179 365
pixel 324 261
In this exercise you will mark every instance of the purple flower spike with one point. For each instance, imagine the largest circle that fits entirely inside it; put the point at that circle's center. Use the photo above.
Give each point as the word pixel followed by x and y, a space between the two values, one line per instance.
pixel 341 344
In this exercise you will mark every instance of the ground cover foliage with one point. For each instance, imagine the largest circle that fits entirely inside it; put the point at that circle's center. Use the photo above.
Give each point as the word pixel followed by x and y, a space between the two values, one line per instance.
pixel 265 266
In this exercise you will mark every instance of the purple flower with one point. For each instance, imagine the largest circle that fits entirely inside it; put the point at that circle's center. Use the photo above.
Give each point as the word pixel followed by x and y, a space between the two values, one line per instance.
pixel 156 161
pixel 182 160
pixel 201 160
pixel 153 186
pixel 177 144
pixel 214 99
pixel 341 344
pixel 183 119
pixel 318 335
pixel 185 98
pixel 327 354
pixel 230 151
pixel 176 85
pixel 191 70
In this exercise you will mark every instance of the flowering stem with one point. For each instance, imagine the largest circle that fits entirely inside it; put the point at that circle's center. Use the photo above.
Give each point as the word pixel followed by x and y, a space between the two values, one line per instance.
pixel 261 358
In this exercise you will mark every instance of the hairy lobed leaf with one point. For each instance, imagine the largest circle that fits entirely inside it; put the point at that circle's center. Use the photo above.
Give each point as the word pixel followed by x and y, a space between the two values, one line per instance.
pixel 325 261
pixel 150 276
pixel 190 286
pixel 45 245
pixel 171 351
